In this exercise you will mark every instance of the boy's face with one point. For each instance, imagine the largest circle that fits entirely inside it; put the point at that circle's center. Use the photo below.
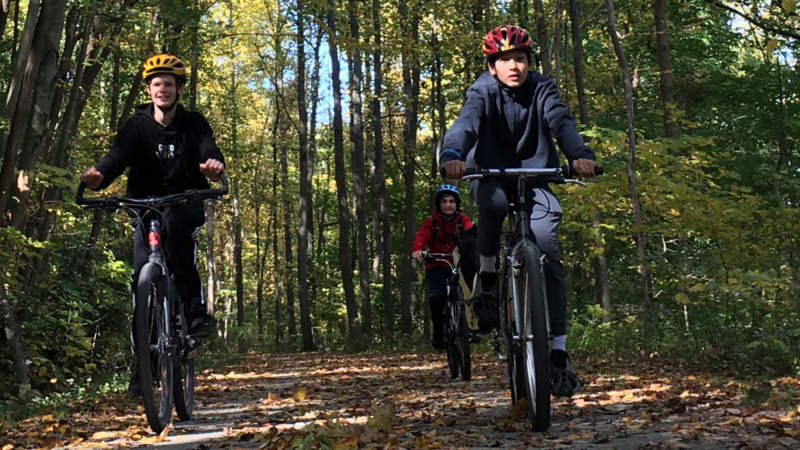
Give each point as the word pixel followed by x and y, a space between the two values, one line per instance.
pixel 447 205
pixel 511 68
pixel 163 90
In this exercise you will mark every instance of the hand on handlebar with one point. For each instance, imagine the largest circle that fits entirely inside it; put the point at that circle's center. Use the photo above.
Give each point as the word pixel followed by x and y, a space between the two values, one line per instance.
pixel 91 177
pixel 417 255
pixel 453 170
pixel 212 168
pixel 584 168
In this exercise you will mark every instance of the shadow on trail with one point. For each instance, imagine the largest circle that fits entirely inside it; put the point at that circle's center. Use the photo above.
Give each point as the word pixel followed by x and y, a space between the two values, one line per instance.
pixel 409 401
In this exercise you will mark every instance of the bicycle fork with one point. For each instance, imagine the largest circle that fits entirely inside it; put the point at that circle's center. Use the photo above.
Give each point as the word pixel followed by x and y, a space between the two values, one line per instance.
pixel 156 257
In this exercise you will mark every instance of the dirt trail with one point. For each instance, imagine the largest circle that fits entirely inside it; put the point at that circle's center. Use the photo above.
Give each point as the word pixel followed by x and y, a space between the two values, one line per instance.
pixel 408 401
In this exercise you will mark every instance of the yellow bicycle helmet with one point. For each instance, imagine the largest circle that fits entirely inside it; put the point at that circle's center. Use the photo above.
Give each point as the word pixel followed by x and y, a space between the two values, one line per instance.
pixel 164 64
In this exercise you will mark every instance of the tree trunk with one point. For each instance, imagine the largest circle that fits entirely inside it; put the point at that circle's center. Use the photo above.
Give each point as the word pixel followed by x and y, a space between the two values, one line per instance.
pixel 288 254
pixel 665 69
pixel 18 109
pixel 359 183
pixel 577 58
pixel 11 332
pixel 305 188
pixel 210 266
pixel 237 262
pixel 410 67
pixel 638 236
pixel 383 233
pixel 541 37
pixel 345 262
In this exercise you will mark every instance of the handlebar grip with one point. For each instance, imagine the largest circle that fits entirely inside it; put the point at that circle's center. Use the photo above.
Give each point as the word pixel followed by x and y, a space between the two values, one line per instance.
pixel 569 172
pixel 81 200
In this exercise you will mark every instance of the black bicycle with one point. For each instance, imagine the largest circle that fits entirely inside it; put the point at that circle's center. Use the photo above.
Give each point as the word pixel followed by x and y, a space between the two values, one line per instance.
pixel 165 351
pixel 456 330
pixel 522 338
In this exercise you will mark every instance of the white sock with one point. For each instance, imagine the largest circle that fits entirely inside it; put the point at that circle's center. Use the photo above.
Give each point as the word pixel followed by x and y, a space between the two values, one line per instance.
pixel 559 343
pixel 488 264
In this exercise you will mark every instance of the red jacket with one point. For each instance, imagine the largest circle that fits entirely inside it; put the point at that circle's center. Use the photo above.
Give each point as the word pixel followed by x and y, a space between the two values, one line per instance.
pixel 445 239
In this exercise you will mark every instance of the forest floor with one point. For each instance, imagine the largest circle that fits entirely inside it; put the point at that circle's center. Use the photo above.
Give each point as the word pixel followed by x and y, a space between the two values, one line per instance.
pixel 376 400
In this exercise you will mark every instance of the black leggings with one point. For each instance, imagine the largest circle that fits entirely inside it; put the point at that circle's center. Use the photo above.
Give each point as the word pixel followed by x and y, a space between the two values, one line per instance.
pixel 492 197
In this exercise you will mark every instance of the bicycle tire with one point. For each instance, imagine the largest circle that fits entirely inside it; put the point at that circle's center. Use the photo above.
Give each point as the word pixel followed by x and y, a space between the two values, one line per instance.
pixel 183 390
pixel 535 352
pixel 152 355
pixel 462 340
pixel 451 338
pixel 507 328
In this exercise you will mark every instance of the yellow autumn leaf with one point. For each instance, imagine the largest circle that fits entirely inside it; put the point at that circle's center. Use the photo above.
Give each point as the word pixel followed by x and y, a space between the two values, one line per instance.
pixel 681 298
pixel 300 395
pixel 788 5
pixel 771 45
pixel 697 287
pixel 674 212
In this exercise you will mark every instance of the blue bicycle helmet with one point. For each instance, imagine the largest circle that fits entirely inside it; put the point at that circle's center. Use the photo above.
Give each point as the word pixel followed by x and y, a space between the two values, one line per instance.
pixel 447 189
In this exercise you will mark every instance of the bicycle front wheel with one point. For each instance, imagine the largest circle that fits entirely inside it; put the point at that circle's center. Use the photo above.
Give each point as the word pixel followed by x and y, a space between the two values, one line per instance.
pixel 451 339
pixel 535 339
pixel 462 339
pixel 152 347
pixel 184 388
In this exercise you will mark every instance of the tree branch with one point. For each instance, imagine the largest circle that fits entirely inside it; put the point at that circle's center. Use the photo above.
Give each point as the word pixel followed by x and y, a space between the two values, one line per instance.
pixel 755 21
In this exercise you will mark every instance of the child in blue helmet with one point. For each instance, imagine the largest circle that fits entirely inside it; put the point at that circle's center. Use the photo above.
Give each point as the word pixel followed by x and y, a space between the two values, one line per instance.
pixel 439 234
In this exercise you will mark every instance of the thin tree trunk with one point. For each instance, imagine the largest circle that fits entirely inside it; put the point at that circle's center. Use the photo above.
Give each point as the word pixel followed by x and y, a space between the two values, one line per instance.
pixel 359 183
pixel 345 262
pixel 238 265
pixel 541 37
pixel 665 69
pixel 305 188
pixel 383 233
pixel 210 266
pixel 638 235
pixel 15 347
pixel 17 109
pixel 577 58
pixel 288 254
pixel 410 67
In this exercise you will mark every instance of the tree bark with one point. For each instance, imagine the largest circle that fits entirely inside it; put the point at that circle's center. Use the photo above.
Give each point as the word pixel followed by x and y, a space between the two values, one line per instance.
pixel 541 37
pixel 345 262
pixel 411 74
pixel 638 235
pixel 305 187
pixel 383 233
pixel 665 69
pixel 359 178
pixel 15 346
pixel 577 58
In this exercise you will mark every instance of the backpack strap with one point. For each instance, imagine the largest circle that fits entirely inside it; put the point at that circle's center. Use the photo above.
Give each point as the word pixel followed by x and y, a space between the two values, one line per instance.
pixel 435 228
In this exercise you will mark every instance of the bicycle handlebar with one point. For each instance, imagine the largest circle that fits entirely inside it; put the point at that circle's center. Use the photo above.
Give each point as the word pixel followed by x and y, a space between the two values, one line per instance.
pixel 560 174
pixel 116 202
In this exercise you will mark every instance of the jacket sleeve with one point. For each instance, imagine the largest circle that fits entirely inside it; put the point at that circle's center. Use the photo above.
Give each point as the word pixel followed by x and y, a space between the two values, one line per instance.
pixel 463 134
pixel 113 163
pixel 465 222
pixel 207 147
pixel 423 236
pixel 558 119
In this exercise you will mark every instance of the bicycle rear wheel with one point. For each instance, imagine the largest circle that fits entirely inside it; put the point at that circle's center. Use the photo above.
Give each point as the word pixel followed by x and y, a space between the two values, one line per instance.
pixel 153 356
pixel 535 346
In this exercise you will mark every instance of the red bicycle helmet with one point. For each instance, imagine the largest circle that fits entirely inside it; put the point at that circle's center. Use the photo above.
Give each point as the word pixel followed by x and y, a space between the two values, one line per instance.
pixel 506 38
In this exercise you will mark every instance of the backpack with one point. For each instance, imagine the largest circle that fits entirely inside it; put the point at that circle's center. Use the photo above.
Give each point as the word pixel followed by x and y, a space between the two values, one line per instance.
pixel 459 227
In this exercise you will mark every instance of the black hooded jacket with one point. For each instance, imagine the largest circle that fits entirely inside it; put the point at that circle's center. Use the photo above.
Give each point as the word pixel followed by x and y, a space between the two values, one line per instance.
pixel 162 160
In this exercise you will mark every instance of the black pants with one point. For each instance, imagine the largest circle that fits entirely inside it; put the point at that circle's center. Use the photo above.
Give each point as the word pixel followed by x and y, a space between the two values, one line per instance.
pixel 437 296
pixel 492 197
pixel 178 226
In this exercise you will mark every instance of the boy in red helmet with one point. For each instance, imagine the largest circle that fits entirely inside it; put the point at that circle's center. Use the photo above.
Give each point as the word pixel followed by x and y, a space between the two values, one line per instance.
pixel 506 122
pixel 439 233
